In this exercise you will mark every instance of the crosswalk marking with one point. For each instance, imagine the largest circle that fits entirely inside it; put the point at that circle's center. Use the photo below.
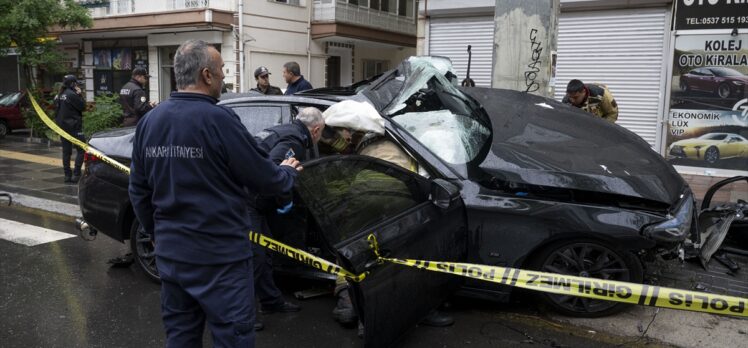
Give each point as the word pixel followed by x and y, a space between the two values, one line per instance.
pixel 30 235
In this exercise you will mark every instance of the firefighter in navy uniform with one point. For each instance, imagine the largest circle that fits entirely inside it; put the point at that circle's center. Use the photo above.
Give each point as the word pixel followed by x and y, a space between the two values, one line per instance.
pixel 134 99
pixel 69 116
pixel 192 163
pixel 593 98
pixel 280 142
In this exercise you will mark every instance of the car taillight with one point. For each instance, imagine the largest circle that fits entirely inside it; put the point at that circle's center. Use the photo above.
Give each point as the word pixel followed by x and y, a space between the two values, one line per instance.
pixel 89 158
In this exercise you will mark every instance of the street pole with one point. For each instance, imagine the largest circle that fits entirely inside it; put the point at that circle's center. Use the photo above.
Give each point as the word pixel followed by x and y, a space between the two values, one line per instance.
pixel 525 45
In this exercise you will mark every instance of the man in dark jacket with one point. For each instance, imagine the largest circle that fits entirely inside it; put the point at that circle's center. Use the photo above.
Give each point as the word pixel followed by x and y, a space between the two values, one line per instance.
pixel 134 99
pixel 280 142
pixel 192 162
pixel 262 76
pixel 69 116
pixel 296 81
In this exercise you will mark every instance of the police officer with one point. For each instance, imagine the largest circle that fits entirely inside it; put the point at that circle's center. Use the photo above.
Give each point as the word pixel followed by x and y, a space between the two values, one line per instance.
pixel 69 116
pixel 191 164
pixel 280 142
pixel 593 98
pixel 134 99
pixel 262 76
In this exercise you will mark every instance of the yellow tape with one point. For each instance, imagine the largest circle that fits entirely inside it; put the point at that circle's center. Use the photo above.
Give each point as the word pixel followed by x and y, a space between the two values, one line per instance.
pixel 53 126
pixel 599 289
pixel 304 257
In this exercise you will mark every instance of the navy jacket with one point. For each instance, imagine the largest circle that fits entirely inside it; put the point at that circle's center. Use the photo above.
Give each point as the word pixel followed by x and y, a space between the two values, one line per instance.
pixel 300 85
pixel 191 162
pixel 283 140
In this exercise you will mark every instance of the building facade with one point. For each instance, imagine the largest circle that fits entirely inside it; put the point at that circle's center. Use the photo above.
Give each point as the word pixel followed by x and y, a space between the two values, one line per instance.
pixel 336 42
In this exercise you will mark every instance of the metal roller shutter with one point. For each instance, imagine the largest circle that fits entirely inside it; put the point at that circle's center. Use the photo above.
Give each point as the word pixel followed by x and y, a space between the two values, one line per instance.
pixel 450 37
pixel 623 49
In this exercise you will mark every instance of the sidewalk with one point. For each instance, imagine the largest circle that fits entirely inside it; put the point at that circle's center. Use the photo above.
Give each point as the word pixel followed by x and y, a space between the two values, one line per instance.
pixel 32 173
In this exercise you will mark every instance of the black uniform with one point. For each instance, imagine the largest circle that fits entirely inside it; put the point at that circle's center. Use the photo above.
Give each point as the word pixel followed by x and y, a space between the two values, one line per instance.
pixel 69 116
pixel 271 90
pixel 134 102
pixel 280 142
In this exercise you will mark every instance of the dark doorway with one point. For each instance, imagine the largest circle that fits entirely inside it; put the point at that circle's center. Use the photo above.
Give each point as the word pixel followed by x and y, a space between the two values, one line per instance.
pixel 333 71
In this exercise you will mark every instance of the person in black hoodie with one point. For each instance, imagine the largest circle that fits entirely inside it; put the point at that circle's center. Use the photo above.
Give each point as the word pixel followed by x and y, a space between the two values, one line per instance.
pixel 192 164
pixel 69 116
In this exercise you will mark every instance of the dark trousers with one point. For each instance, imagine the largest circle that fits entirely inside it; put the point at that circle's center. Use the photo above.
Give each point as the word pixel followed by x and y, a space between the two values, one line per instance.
pixel 267 292
pixel 222 295
pixel 67 151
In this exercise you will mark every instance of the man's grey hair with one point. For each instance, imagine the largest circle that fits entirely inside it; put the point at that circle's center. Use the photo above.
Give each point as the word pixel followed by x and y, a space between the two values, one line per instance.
pixel 191 57
pixel 293 68
pixel 310 117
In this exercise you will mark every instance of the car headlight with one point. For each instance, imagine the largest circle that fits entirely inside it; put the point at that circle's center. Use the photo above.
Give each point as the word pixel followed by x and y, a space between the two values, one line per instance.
pixel 676 227
pixel 738 83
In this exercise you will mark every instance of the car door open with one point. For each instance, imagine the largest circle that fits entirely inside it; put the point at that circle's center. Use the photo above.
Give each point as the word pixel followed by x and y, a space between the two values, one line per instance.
pixel 352 197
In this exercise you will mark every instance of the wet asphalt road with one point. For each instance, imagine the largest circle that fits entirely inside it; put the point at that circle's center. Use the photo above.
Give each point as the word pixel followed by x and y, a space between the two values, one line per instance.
pixel 64 294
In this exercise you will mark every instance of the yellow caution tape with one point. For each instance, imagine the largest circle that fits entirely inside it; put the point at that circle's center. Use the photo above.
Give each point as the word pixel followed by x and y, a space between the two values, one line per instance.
pixel 598 289
pixel 91 150
pixel 304 257
pixel 593 288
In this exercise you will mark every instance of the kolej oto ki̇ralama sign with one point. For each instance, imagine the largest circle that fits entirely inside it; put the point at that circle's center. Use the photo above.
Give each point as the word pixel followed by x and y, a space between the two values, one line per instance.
pixel 708 116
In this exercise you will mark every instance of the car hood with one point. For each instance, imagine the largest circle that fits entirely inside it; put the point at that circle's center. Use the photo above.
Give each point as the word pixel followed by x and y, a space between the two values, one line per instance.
pixel 696 141
pixel 539 141
pixel 117 142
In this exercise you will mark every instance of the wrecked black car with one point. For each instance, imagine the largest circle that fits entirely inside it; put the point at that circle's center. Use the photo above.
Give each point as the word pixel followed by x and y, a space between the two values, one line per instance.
pixel 504 178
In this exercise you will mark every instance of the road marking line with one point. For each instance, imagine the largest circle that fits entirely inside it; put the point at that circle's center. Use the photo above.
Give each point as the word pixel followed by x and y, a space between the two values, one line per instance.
pixel 31 158
pixel 29 235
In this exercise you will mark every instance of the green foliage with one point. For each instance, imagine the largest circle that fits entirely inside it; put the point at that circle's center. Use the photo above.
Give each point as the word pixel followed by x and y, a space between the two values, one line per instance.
pixel 32 120
pixel 106 114
pixel 25 23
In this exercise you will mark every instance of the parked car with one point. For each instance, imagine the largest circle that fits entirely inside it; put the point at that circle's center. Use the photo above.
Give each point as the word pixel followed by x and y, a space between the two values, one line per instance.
pixel 11 116
pixel 710 147
pixel 724 82
pixel 506 178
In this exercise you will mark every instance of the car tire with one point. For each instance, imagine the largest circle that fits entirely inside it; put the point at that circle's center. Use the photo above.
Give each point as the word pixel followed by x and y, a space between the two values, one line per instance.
pixel 4 130
pixel 143 251
pixel 564 257
pixel 683 85
pixel 724 91
pixel 711 155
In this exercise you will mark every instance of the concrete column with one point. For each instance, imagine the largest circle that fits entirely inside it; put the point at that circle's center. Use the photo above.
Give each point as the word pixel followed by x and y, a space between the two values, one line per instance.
pixel 525 45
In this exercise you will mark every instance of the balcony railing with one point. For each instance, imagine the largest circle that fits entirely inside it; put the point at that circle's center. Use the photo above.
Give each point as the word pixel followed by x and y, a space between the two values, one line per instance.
pixel 343 12
pixel 104 8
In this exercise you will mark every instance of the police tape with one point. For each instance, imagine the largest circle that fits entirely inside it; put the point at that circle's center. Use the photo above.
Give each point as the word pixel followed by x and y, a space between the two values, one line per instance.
pixel 304 257
pixel 593 288
pixel 89 149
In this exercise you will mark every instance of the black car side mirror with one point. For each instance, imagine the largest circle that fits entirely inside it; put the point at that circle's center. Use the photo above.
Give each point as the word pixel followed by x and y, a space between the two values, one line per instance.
pixel 444 194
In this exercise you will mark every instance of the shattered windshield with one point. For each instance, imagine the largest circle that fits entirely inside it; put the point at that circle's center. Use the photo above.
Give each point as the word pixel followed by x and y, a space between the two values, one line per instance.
pixel 439 115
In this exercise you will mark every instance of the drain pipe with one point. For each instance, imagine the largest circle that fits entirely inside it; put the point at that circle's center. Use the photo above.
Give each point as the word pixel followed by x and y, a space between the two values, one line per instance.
pixel 309 40
pixel 241 46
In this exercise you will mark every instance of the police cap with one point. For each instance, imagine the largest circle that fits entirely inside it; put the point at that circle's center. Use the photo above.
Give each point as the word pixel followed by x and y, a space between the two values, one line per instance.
pixel 261 71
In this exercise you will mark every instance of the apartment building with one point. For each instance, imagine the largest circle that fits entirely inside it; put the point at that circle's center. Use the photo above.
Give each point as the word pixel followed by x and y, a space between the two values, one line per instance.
pixel 336 42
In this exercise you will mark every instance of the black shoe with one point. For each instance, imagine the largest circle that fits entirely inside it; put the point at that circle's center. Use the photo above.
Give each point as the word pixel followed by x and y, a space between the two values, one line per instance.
pixel 75 179
pixel 437 319
pixel 285 307
pixel 259 326
pixel 68 180
pixel 344 313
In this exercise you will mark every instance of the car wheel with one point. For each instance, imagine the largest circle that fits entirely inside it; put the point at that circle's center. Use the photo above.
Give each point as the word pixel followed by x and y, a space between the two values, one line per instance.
pixel 683 85
pixel 3 128
pixel 723 91
pixel 711 155
pixel 587 258
pixel 143 251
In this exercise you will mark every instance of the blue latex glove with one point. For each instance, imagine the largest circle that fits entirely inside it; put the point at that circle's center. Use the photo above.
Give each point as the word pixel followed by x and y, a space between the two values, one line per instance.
pixel 285 209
